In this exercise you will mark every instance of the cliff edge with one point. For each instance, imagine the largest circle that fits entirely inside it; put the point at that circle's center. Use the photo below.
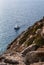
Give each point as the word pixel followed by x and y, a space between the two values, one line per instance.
pixel 27 48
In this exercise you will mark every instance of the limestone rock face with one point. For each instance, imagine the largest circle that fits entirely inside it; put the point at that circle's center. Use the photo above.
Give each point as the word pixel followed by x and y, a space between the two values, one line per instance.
pixel 32 47
pixel 12 59
pixel 34 56
pixel 27 48
pixel 39 63
pixel 42 32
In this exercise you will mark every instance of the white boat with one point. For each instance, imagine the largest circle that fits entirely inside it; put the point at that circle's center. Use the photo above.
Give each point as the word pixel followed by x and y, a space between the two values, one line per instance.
pixel 16 27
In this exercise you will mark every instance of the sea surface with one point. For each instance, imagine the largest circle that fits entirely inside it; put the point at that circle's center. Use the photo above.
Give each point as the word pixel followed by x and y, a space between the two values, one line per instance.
pixel 23 13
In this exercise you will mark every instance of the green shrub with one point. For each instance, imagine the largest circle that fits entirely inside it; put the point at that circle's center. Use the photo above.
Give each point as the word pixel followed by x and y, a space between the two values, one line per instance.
pixel 39 41
pixel 29 42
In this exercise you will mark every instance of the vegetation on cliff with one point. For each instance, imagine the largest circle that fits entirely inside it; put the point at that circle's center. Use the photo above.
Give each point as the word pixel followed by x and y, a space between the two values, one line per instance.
pixel 26 48
pixel 33 35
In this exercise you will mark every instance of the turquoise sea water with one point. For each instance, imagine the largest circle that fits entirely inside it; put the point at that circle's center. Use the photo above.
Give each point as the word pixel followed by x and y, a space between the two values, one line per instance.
pixel 21 12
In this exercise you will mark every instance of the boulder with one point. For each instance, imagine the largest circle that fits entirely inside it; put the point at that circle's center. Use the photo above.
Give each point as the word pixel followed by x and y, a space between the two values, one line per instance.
pixel 11 61
pixel 34 56
pixel 32 47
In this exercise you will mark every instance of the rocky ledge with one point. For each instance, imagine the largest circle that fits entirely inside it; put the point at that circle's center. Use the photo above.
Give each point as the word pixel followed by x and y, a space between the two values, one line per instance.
pixel 27 48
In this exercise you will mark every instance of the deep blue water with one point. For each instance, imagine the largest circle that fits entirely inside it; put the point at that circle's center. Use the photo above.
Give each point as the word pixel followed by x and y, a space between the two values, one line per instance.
pixel 21 12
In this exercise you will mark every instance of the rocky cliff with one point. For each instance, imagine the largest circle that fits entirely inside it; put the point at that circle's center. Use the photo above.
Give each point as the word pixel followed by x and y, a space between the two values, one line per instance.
pixel 27 48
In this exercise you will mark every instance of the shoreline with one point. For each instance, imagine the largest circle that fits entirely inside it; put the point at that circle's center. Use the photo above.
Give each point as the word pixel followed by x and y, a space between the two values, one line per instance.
pixel 23 33
pixel 27 48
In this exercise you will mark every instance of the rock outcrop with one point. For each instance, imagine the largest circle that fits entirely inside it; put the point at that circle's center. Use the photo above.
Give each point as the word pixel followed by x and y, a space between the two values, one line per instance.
pixel 27 48
pixel 34 56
